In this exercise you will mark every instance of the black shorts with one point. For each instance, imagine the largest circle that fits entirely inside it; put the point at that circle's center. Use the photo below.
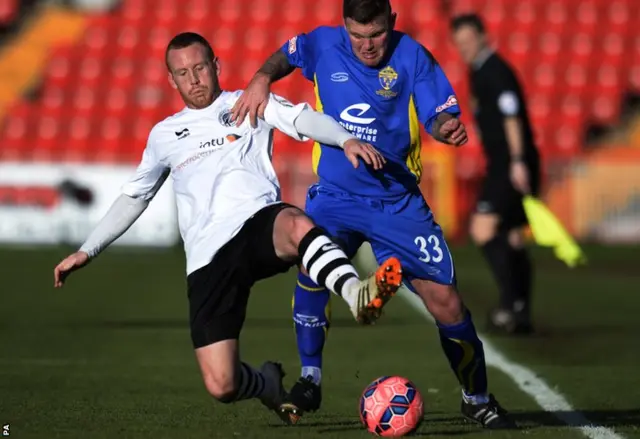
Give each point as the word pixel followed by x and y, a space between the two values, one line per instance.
pixel 219 291
pixel 498 196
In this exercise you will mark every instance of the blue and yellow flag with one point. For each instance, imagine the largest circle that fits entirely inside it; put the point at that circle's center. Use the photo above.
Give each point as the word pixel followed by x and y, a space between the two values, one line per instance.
pixel 548 232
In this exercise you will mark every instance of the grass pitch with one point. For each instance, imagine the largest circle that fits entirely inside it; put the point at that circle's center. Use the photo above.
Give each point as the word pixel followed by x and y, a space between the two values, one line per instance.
pixel 110 356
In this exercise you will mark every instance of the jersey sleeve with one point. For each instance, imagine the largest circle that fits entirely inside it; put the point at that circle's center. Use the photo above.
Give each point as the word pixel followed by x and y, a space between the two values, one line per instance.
pixel 149 175
pixel 301 51
pixel 432 90
pixel 504 89
pixel 282 114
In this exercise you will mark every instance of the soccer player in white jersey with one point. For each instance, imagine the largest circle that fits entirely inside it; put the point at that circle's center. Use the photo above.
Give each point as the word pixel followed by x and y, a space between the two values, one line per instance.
pixel 236 230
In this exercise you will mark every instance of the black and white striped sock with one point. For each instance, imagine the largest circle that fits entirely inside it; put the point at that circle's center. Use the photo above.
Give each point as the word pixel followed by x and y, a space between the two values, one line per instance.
pixel 326 262
pixel 251 383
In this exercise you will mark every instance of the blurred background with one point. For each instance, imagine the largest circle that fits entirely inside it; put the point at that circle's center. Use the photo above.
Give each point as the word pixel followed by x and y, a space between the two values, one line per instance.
pixel 83 81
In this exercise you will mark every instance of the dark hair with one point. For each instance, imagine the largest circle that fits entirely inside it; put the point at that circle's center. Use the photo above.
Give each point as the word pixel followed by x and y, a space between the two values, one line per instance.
pixel 472 20
pixel 365 11
pixel 186 39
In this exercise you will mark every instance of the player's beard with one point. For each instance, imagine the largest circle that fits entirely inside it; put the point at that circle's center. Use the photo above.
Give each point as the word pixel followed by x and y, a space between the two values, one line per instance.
pixel 202 98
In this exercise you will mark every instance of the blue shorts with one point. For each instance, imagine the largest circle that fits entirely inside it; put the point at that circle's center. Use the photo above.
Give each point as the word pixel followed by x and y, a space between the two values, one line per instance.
pixel 404 228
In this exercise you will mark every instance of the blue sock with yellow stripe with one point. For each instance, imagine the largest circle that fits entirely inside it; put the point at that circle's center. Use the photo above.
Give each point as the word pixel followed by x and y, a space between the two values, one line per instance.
pixel 464 350
pixel 311 315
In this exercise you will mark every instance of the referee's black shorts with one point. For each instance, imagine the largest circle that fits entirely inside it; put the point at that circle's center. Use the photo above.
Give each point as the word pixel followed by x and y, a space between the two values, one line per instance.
pixel 219 291
pixel 499 196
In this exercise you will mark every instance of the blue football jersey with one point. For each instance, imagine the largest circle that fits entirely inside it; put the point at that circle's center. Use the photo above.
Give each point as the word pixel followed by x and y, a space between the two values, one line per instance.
pixel 383 106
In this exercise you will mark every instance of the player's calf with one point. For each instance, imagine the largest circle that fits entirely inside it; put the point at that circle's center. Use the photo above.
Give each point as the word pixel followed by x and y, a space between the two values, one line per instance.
pixel 229 380
pixel 221 385
pixel 442 301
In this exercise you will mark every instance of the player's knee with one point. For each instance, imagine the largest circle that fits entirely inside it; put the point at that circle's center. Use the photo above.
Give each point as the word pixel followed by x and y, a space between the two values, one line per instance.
pixel 442 301
pixel 301 225
pixel 291 226
pixel 221 386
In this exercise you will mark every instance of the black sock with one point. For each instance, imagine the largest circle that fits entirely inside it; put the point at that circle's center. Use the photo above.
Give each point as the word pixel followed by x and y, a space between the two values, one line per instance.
pixel 250 384
pixel 522 281
pixel 497 252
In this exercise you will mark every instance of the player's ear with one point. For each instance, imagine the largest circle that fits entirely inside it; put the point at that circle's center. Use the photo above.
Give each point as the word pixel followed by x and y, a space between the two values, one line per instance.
pixel 172 82
pixel 392 20
pixel 216 65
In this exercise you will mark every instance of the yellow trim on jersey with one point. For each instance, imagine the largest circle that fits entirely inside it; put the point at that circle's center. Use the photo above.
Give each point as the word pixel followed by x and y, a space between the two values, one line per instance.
pixel 414 160
pixel 304 287
pixel 317 151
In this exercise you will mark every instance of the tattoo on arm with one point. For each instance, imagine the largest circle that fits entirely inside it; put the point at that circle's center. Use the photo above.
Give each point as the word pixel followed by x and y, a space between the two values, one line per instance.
pixel 437 124
pixel 277 66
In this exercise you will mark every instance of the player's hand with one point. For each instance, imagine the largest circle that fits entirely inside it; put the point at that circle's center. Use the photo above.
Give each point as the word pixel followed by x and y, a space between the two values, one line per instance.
pixel 355 148
pixel 253 100
pixel 454 132
pixel 68 265
pixel 520 177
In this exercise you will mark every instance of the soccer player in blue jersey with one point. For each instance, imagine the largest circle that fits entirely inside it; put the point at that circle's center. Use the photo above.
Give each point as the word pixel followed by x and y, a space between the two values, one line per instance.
pixel 381 85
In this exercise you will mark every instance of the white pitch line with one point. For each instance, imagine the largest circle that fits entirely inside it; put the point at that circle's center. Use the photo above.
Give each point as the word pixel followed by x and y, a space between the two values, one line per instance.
pixel 534 386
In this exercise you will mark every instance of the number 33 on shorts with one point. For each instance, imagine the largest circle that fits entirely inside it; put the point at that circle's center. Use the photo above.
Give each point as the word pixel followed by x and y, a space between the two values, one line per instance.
pixel 432 259
pixel 433 253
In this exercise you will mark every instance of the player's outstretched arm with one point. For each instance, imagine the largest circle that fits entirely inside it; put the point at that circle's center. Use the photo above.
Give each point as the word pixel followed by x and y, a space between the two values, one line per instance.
pixel 124 211
pixel 302 123
pixel 436 101
pixel 325 129
pixel 255 97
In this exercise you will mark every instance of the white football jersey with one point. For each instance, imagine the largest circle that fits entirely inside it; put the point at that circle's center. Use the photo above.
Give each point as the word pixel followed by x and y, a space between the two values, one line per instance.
pixel 222 174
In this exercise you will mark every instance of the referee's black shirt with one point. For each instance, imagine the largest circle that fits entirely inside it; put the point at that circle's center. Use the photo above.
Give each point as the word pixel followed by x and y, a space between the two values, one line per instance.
pixel 496 95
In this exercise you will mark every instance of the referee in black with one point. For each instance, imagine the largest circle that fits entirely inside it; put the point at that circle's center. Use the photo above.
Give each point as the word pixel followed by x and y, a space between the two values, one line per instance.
pixel 513 170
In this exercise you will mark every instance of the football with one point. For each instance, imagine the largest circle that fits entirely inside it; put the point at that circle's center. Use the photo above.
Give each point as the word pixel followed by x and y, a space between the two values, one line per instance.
pixel 391 406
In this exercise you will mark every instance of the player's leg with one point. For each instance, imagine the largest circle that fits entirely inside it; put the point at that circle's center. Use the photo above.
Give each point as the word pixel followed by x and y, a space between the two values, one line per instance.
pixel 229 380
pixel 295 235
pixel 297 238
pixel 464 351
pixel 411 233
pixel 218 295
pixel 311 302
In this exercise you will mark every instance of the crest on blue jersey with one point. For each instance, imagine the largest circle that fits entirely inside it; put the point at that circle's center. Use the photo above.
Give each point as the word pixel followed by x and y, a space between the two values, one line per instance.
pixel 388 78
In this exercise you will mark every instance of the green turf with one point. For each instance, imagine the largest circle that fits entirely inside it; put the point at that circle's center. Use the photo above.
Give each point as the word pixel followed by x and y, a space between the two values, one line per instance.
pixel 110 354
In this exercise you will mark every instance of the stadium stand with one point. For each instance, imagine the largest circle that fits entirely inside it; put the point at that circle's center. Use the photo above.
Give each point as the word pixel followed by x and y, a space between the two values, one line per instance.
pixel 97 82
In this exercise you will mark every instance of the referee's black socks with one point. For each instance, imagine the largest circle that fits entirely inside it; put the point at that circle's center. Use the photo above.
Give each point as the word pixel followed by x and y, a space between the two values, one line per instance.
pixel 521 280
pixel 512 270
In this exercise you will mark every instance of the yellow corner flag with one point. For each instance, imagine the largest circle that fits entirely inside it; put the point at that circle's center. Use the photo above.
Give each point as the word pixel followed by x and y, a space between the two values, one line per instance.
pixel 548 232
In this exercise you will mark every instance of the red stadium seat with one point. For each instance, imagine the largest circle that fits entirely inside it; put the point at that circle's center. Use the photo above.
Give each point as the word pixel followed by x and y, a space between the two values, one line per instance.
pixel 262 12
pixel 634 78
pixel 8 11
pixel 229 12
pixel 165 12
pixel 575 58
